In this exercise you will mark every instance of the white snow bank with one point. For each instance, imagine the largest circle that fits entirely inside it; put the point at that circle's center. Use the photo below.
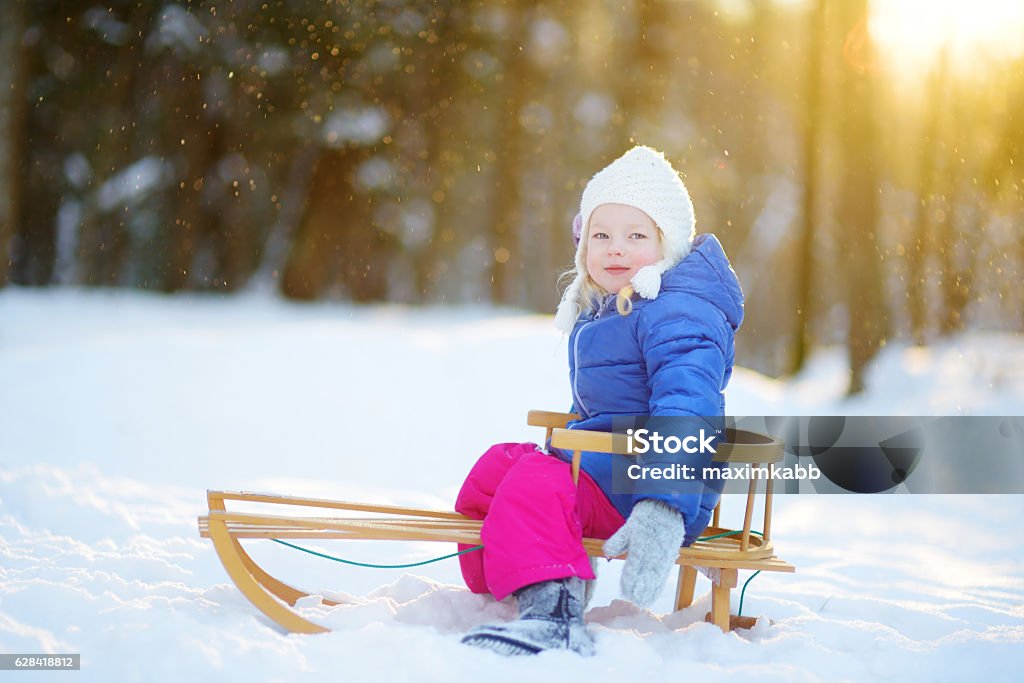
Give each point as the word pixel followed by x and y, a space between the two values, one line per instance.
pixel 119 410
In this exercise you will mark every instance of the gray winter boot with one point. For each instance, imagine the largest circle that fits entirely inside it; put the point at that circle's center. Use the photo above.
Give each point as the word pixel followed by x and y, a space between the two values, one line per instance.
pixel 550 618
pixel 590 586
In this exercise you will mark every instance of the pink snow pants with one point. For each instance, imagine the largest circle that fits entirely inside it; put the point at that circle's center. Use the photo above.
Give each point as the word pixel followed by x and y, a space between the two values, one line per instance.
pixel 534 519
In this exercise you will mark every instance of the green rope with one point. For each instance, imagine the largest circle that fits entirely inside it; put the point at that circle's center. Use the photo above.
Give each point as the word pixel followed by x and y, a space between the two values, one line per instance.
pixel 744 589
pixel 375 566
pixel 478 547
pixel 727 533
pixel 740 612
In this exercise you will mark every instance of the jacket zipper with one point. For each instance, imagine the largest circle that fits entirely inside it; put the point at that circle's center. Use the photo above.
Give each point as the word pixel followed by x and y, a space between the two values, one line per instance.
pixel 576 359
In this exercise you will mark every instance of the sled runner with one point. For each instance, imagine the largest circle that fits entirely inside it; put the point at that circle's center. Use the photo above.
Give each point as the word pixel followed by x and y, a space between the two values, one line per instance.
pixel 719 555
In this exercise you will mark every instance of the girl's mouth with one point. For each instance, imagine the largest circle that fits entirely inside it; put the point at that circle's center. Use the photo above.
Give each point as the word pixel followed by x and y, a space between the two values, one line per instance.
pixel 616 270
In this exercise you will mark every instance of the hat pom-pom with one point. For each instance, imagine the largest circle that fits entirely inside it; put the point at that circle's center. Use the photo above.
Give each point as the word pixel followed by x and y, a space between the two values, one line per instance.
pixel 647 281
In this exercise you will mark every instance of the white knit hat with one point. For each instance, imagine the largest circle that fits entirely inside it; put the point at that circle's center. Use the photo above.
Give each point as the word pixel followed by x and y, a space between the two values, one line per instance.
pixel 644 179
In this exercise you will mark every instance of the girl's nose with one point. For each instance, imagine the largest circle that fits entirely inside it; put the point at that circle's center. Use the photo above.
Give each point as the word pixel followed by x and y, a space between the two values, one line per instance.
pixel 614 247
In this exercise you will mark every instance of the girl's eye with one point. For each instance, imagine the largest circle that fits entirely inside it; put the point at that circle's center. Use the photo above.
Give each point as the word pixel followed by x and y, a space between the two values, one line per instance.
pixel 639 235
pixel 599 236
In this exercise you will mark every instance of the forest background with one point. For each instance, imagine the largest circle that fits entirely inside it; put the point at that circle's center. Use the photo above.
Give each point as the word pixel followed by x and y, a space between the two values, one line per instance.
pixel 860 161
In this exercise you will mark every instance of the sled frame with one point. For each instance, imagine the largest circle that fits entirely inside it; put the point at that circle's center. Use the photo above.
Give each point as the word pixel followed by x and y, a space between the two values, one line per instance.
pixel 720 559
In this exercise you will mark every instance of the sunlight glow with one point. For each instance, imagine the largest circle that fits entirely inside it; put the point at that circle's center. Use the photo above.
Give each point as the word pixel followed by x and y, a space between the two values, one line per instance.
pixel 911 35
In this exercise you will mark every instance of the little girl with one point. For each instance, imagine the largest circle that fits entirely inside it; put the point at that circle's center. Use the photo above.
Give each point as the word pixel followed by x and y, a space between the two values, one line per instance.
pixel 652 314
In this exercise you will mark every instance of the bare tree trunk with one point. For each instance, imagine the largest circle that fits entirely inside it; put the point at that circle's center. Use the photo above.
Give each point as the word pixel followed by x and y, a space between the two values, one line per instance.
pixel 282 234
pixel 561 195
pixel 644 39
pixel 233 227
pixel 654 54
pixel 507 262
pixel 922 245
pixel 858 200
pixel 36 234
pixel 438 95
pixel 1004 183
pixel 104 237
pixel 955 252
pixel 337 242
pixel 328 204
pixel 13 113
pixel 190 215
pixel 801 337
pixel 956 278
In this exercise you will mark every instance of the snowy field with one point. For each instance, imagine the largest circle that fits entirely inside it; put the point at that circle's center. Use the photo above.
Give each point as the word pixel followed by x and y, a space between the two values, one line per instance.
pixel 119 410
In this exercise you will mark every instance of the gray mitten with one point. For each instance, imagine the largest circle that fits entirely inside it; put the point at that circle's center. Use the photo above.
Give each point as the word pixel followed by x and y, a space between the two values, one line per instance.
pixel 652 536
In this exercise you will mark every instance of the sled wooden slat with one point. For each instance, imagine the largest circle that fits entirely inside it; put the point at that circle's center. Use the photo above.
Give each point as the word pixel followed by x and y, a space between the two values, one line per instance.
pixel 256 497
pixel 720 558
pixel 752 451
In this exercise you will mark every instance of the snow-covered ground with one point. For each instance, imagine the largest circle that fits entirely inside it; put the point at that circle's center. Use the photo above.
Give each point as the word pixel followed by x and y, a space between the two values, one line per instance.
pixel 118 411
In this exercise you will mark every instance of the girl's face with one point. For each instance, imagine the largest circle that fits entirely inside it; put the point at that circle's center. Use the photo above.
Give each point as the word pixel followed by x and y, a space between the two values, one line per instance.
pixel 621 240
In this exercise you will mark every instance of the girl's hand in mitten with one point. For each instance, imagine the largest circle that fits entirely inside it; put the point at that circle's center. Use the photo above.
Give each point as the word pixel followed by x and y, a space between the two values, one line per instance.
pixel 651 537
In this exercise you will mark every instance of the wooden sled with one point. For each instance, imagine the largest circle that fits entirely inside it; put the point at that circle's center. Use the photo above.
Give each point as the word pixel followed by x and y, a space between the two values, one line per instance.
pixel 719 558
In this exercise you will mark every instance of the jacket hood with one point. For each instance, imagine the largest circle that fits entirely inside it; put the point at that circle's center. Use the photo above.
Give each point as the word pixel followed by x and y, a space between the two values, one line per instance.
pixel 706 273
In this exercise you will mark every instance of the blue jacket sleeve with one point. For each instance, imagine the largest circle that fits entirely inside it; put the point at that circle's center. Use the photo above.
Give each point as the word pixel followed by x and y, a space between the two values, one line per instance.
pixel 684 341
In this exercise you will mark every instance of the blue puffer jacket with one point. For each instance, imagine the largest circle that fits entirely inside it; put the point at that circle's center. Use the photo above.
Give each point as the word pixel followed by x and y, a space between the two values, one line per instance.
pixel 672 356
